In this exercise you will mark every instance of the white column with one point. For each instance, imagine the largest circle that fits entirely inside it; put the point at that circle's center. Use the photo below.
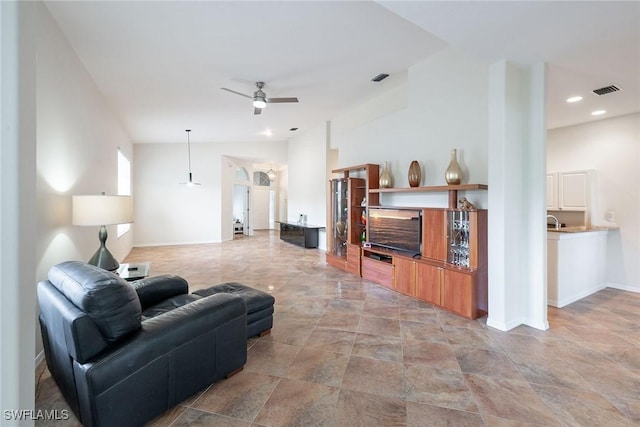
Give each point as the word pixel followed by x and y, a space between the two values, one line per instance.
pixel 17 207
pixel 517 247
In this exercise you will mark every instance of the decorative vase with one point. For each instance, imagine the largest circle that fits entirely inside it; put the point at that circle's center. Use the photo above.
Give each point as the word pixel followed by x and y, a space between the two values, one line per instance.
pixel 453 174
pixel 385 177
pixel 415 174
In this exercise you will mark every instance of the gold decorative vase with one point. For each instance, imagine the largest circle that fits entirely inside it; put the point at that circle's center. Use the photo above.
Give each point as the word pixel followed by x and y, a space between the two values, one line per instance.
pixel 453 174
pixel 415 174
pixel 385 177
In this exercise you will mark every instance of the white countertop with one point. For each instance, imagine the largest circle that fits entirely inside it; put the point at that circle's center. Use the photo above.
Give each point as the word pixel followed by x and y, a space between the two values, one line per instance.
pixel 581 229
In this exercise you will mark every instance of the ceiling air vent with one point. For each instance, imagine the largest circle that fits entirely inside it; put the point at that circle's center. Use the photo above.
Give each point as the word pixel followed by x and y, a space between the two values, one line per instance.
pixel 607 89
pixel 380 77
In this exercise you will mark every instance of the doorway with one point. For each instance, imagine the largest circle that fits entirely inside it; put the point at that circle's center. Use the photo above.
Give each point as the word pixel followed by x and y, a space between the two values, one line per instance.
pixel 241 210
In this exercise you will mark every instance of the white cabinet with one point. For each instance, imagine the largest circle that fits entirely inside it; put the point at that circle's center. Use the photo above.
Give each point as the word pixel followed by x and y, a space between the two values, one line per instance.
pixel 573 190
pixel 552 191
pixel 569 190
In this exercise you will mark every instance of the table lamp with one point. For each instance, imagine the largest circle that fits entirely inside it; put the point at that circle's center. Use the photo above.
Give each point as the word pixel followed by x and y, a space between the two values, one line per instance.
pixel 101 210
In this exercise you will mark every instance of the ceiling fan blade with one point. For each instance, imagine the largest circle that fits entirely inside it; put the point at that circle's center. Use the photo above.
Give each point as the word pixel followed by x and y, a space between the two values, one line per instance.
pixel 237 93
pixel 257 111
pixel 275 100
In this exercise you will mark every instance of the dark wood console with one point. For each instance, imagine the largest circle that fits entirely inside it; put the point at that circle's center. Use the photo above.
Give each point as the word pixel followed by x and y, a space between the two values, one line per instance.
pixel 303 235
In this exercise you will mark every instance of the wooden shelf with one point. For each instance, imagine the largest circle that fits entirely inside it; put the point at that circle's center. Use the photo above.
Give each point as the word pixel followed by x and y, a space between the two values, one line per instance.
pixel 436 188
pixel 353 168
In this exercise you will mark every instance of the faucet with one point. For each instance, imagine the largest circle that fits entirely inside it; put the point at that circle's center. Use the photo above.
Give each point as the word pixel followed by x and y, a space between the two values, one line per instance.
pixel 556 220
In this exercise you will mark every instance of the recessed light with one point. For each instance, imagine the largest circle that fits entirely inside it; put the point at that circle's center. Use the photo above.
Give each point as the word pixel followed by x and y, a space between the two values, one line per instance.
pixel 573 99
pixel 598 112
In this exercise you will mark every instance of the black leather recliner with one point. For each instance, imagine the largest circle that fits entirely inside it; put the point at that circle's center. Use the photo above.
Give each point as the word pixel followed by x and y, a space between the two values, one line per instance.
pixel 123 353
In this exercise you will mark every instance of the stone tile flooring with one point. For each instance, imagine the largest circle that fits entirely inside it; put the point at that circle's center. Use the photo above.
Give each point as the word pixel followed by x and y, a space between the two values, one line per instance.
pixel 347 352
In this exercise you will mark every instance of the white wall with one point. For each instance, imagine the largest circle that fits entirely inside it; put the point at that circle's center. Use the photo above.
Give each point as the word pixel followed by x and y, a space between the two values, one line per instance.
pixel 78 140
pixel 612 148
pixel 168 213
pixel 443 106
pixel 73 146
pixel 307 179
pixel 17 206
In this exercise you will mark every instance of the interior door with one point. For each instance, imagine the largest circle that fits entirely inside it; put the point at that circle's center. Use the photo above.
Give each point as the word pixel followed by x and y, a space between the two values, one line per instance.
pixel 261 207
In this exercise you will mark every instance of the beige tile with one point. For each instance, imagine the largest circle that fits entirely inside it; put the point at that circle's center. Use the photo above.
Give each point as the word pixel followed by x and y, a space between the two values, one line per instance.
pixel 467 337
pixel 333 340
pixel 197 418
pixel 378 347
pixel 299 403
pixel 486 362
pixel 375 377
pixel 419 314
pixel 290 332
pixel 438 387
pixel 430 331
pixel 435 355
pixel 511 400
pixel 270 357
pixel 379 326
pixel 241 396
pixel 581 408
pixel 419 415
pixel 359 409
pixel 320 367
pixel 342 321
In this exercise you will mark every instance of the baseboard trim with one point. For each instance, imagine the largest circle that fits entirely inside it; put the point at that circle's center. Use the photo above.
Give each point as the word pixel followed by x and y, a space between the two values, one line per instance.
pixel 624 287
pixel 39 358
pixel 151 245
pixel 575 297
pixel 503 326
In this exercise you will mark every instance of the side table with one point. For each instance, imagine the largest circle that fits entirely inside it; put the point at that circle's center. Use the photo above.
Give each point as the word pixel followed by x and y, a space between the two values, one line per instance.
pixel 134 271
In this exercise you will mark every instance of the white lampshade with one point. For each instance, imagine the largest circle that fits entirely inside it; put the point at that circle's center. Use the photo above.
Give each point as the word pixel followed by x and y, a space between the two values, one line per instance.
pixel 102 210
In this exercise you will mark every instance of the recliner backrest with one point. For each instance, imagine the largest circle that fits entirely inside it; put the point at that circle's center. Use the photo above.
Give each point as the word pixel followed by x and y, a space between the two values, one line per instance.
pixel 108 300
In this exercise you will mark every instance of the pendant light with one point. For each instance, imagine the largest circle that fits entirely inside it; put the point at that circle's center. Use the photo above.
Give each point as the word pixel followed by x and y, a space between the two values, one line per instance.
pixel 189 183
pixel 272 174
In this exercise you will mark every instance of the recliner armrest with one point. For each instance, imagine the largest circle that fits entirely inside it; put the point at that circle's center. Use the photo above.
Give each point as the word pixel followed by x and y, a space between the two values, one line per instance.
pixel 169 332
pixel 153 290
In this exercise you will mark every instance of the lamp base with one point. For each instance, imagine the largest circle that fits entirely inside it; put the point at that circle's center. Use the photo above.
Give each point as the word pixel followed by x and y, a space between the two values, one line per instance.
pixel 103 258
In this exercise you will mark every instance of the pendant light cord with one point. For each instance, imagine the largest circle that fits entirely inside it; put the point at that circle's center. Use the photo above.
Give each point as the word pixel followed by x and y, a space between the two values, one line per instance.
pixel 189 149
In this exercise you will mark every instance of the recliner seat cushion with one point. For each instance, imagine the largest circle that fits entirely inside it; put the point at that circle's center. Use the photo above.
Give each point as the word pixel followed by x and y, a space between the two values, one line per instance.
pixel 110 301
pixel 169 305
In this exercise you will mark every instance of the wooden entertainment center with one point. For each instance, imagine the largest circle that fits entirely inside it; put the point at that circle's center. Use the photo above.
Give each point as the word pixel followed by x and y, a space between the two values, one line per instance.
pixel 451 269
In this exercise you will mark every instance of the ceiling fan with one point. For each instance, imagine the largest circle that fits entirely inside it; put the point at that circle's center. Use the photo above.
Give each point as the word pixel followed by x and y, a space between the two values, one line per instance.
pixel 260 99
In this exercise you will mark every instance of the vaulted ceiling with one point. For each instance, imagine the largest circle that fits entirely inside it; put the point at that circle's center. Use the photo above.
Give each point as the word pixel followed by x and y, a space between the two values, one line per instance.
pixel 161 65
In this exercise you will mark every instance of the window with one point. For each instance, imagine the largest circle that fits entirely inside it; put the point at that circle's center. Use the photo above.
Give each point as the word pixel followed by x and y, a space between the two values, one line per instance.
pixel 242 174
pixel 124 185
pixel 261 179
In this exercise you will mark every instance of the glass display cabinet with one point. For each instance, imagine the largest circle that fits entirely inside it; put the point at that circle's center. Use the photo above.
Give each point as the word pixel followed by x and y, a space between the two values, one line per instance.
pixel 348 204
pixel 339 217
pixel 458 226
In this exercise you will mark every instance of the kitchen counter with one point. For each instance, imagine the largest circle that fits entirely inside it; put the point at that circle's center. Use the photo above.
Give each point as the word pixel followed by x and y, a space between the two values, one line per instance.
pixel 576 263
pixel 580 229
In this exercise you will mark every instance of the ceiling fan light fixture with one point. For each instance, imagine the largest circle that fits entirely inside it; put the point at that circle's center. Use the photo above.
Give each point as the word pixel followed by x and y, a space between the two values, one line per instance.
pixel 259 102
pixel 272 175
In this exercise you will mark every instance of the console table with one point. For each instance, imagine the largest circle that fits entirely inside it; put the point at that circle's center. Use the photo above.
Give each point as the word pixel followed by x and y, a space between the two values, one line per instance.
pixel 304 235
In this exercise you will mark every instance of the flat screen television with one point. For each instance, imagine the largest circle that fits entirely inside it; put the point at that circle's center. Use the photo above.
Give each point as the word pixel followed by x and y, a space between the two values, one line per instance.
pixel 399 229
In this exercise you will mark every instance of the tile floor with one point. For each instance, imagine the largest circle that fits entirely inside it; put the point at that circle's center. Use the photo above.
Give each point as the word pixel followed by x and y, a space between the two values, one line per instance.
pixel 347 352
